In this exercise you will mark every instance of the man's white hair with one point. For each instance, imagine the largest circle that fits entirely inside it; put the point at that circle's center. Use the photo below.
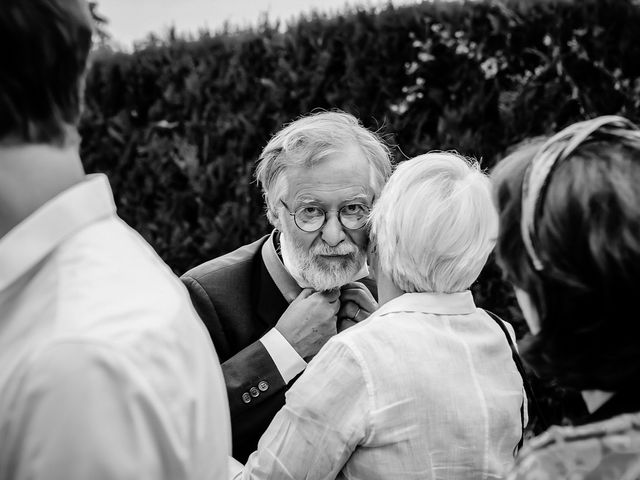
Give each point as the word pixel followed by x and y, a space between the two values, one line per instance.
pixel 310 139
pixel 435 223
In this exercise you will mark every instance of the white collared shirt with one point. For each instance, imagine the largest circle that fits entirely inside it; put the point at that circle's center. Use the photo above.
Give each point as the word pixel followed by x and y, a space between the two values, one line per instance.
pixel 425 388
pixel 106 372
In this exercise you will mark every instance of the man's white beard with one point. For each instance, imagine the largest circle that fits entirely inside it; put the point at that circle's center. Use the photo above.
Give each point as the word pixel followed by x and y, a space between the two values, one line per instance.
pixel 312 271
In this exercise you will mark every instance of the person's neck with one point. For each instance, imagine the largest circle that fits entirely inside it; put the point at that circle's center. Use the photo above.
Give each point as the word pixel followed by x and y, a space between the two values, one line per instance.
pixel 387 290
pixel 31 175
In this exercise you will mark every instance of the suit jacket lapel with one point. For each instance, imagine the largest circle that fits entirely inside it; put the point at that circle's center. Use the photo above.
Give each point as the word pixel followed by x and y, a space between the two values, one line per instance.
pixel 269 304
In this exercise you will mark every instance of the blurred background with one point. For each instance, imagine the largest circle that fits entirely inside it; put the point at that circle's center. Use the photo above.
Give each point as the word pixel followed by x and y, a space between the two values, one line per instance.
pixel 182 96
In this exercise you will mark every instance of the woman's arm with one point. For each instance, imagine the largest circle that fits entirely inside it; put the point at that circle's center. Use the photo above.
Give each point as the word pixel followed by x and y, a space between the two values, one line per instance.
pixel 322 423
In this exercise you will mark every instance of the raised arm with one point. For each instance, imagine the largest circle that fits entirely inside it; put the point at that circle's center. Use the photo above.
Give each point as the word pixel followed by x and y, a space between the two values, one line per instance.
pixel 322 423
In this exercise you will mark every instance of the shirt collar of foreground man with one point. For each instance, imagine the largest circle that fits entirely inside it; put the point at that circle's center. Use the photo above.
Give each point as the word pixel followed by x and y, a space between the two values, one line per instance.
pixel 80 355
pixel 32 240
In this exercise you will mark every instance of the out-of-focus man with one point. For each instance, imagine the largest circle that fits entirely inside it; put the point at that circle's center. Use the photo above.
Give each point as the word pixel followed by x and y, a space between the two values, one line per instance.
pixel 106 372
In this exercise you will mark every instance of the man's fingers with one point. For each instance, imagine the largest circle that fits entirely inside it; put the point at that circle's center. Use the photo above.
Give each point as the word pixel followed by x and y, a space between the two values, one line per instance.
pixel 363 299
pixel 307 292
pixel 352 311
pixel 331 295
pixel 354 289
pixel 345 323
pixel 354 286
pixel 358 314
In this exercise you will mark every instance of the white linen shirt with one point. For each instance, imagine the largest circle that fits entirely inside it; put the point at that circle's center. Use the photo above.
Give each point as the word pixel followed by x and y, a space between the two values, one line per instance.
pixel 426 388
pixel 106 371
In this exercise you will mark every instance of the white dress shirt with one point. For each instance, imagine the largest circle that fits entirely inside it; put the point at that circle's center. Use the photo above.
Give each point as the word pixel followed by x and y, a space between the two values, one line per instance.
pixel 426 388
pixel 106 372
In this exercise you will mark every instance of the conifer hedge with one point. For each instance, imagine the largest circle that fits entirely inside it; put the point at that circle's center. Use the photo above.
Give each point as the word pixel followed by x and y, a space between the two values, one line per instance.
pixel 178 125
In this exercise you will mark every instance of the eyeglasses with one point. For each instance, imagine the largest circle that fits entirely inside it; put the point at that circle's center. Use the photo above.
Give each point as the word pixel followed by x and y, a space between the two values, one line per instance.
pixel 311 219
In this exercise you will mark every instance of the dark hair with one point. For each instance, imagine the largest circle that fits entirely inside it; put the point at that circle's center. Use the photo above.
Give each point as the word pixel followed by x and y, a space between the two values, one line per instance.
pixel 588 238
pixel 45 45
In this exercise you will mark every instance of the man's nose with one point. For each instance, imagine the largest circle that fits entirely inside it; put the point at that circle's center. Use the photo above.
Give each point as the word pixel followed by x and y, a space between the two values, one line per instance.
pixel 333 231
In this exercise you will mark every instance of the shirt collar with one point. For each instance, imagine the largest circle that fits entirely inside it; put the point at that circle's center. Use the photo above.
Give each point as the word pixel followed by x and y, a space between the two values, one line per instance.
pixel 280 275
pixel 41 232
pixel 459 303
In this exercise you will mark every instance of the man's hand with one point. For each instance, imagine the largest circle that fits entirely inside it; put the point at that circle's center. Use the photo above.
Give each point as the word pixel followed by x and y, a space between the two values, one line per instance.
pixel 310 321
pixel 356 304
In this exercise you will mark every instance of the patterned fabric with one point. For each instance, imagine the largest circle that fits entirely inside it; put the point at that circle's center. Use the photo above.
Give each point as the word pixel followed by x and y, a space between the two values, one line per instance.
pixel 607 450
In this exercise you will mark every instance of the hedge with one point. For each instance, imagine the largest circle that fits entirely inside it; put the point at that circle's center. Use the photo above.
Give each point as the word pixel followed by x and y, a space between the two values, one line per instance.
pixel 177 125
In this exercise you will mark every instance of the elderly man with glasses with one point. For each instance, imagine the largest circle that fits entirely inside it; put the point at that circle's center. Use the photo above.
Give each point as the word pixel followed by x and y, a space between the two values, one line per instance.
pixel 271 305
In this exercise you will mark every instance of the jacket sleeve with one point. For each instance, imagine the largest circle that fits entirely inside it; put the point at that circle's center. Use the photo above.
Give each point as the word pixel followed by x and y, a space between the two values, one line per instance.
pixel 325 418
pixel 254 385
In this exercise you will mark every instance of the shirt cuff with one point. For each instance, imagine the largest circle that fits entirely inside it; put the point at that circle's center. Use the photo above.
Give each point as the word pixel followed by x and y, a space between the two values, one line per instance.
pixel 287 360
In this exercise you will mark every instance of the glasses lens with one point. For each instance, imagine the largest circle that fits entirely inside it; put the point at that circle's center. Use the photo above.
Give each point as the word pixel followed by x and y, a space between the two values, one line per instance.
pixel 309 219
pixel 354 216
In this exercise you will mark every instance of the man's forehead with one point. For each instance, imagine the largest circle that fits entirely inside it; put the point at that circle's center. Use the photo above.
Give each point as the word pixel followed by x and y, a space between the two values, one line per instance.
pixel 335 180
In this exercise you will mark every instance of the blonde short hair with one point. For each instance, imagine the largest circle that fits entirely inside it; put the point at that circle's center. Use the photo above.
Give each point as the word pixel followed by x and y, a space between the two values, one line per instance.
pixel 435 223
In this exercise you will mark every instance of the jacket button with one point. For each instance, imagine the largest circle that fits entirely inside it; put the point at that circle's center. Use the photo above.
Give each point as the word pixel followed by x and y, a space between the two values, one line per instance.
pixel 263 386
pixel 246 398
pixel 254 392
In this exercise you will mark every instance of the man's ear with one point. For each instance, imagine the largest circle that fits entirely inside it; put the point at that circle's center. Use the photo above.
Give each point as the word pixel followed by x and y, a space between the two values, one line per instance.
pixel 272 216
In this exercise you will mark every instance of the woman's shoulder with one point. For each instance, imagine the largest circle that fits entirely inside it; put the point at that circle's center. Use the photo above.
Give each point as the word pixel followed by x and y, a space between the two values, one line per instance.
pixel 605 450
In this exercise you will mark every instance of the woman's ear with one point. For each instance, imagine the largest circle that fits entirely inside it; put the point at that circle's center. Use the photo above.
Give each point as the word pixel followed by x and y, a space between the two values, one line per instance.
pixel 528 310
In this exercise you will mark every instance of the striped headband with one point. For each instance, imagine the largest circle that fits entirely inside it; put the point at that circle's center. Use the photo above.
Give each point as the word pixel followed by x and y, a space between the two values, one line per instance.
pixel 555 150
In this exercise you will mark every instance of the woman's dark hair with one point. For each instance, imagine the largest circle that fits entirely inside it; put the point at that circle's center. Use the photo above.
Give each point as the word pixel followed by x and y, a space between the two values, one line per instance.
pixel 587 236
pixel 45 44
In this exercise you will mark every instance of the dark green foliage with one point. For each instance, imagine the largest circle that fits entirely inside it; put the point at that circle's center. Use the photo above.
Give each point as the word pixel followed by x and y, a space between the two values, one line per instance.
pixel 178 126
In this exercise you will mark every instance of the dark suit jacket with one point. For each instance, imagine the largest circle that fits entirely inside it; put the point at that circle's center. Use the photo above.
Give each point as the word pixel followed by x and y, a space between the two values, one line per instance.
pixel 239 302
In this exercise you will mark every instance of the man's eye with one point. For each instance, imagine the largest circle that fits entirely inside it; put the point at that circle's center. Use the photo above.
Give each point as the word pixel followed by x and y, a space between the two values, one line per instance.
pixel 353 209
pixel 311 211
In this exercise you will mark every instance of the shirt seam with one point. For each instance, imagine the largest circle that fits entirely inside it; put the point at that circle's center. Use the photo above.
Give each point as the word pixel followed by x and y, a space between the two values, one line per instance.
pixel 482 403
pixel 368 382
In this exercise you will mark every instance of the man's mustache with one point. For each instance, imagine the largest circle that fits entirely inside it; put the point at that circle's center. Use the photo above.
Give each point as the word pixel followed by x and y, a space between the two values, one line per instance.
pixel 340 249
